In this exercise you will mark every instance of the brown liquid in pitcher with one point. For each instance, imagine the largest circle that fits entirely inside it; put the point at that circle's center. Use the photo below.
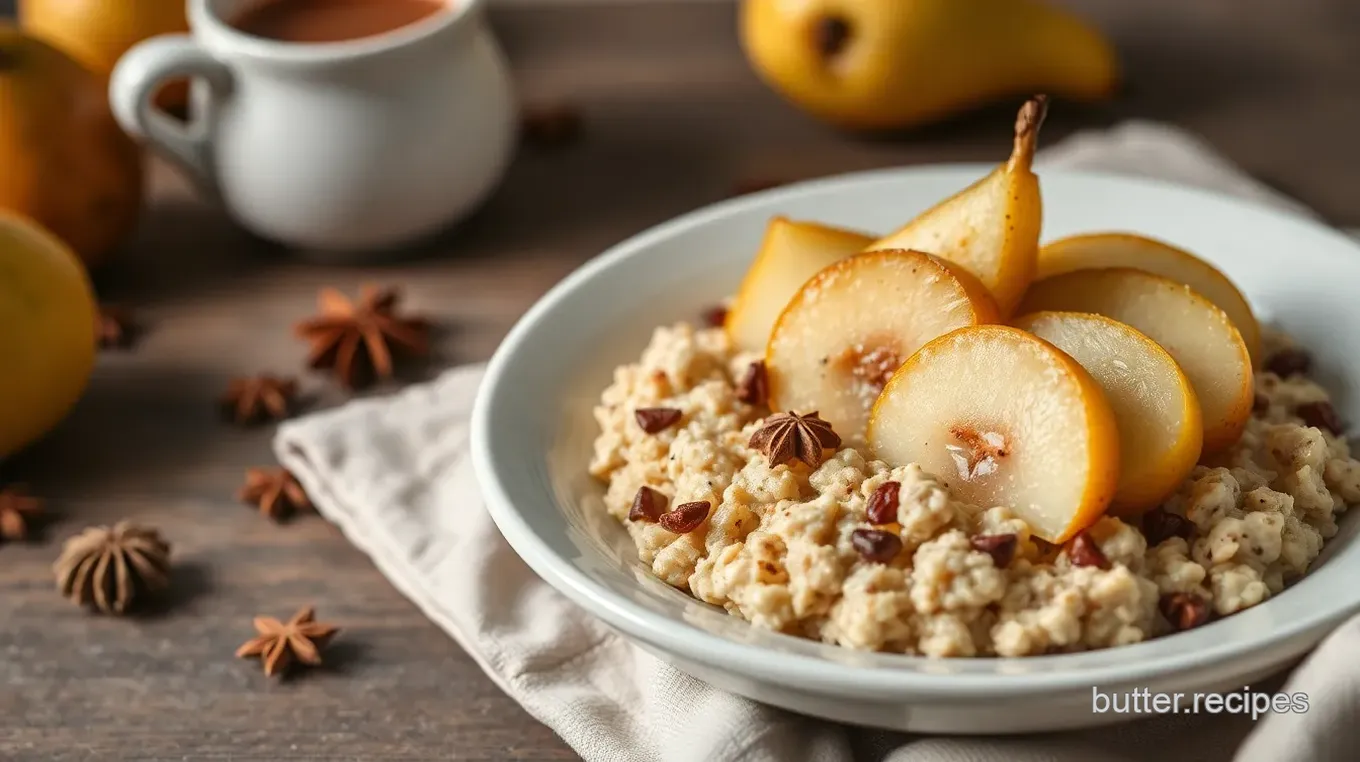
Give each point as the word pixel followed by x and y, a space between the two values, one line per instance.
pixel 317 21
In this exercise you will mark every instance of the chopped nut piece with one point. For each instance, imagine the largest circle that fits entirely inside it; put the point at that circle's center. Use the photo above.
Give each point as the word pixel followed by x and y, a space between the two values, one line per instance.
pixel 715 317
pixel 1001 547
pixel 1320 415
pixel 648 505
pixel 1160 525
pixel 654 420
pixel 788 436
pixel 883 503
pixel 1085 551
pixel 1183 610
pixel 1289 361
pixel 754 388
pixel 686 517
pixel 876 545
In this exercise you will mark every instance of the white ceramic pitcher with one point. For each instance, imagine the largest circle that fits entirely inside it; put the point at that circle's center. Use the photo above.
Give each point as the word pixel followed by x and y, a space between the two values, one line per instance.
pixel 350 146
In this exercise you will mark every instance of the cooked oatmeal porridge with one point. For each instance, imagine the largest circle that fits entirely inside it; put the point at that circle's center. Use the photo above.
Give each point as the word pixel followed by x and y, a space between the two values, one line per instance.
pixel 856 553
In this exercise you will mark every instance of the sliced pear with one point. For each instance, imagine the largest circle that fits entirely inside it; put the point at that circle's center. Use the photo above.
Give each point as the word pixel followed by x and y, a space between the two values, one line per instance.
pixel 1004 418
pixel 1102 250
pixel 853 324
pixel 1155 407
pixel 991 228
pixel 791 253
pixel 1198 335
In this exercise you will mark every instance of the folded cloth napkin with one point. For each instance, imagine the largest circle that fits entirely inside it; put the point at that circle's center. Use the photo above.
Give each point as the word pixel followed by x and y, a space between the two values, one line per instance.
pixel 395 475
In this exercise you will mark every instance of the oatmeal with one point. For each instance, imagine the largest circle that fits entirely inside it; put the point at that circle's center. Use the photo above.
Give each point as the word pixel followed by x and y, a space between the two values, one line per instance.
pixel 842 548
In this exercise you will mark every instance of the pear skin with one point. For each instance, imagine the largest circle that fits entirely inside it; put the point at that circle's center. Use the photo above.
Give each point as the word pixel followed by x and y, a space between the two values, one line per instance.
pixel 791 253
pixel 991 229
pixel 892 64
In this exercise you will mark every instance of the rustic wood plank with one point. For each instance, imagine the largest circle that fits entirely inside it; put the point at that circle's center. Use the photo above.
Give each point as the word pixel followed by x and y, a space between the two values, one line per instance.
pixel 674 119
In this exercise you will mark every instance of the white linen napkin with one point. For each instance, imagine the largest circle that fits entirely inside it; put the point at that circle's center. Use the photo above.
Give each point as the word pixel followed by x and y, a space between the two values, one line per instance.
pixel 395 475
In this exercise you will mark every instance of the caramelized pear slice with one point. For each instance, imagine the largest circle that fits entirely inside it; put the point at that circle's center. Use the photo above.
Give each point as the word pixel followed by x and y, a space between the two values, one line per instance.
pixel 1155 407
pixel 991 228
pixel 1198 335
pixel 791 253
pixel 853 324
pixel 1104 250
pixel 1004 418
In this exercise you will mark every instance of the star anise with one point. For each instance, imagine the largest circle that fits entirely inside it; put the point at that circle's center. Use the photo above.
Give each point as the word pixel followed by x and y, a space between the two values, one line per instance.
pixel 256 399
pixel 115 328
pixel 357 340
pixel 275 491
pixel 279 645
pixel 110 569
pixel 789 436
pixel 18 509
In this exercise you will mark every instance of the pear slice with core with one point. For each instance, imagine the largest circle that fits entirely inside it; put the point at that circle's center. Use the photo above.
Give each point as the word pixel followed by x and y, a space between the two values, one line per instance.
pixel 1197 334
pixel 853 324
pixel 1004 418
pixel 1155 407
pixel 991 228
pixel 1102 250
pixel 791 253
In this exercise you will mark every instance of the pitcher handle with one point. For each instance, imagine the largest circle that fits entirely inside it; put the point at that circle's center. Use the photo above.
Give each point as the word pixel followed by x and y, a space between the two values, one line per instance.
pixel 132 89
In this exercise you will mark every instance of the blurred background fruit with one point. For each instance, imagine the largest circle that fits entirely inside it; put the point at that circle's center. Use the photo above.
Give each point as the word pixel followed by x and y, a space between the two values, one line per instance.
pixel 66 163
pixel 886 64
pixel 47 317
pixel 98 32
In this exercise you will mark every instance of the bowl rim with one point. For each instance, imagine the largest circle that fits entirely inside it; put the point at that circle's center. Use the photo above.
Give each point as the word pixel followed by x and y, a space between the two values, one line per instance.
pixel 805 671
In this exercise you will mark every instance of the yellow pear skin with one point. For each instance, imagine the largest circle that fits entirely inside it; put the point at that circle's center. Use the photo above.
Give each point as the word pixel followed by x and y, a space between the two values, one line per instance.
pixel 991 228
pixel 889 64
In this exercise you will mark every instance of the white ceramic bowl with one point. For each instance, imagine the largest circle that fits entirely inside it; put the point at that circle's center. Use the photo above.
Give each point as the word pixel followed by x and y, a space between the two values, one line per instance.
pixel 532 432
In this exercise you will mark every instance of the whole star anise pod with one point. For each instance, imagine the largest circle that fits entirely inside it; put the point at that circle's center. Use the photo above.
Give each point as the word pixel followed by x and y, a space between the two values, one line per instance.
pixel 279 645
pixel 114 328
pixel 111 569
pixel 786 437
pixel 259 398
pixel 275 491
pixel 357 340
pixel 17 510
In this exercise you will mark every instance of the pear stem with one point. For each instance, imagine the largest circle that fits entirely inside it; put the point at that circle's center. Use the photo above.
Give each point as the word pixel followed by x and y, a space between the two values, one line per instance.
pixel 1027 124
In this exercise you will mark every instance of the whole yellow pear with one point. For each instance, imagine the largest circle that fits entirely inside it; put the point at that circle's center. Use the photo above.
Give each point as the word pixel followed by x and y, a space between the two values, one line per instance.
pixel 64 162
pixel 47 338
pixel 98 32
pixel 885 64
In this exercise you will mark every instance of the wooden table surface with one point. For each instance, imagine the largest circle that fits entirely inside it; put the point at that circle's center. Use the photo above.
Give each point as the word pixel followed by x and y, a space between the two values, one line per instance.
pixel 673 119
